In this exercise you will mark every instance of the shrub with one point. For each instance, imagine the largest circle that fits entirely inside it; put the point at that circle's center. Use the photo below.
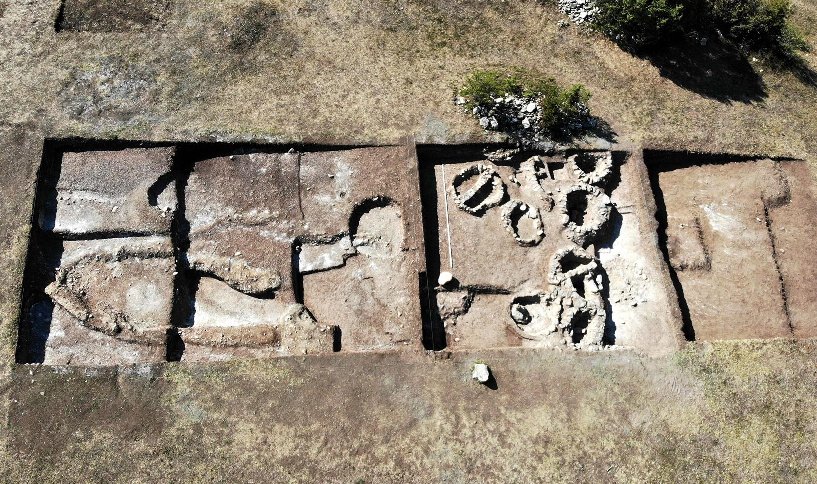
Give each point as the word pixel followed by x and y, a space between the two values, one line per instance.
pixel 481 87
pixel 527 106
pixel 758 25
pixel 637 24
pixel 562 110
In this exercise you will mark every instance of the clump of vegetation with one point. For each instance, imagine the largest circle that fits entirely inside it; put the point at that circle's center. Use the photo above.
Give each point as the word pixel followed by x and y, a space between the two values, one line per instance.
pixel 528 107
pixel 758 25
pixel 754 25
pixel 637 24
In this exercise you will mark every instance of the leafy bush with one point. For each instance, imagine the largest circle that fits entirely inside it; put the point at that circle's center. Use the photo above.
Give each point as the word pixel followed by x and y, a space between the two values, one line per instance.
pixel 758 24
pixel 636 24
pixel 560 109
pixel 527 106
pixel 481 87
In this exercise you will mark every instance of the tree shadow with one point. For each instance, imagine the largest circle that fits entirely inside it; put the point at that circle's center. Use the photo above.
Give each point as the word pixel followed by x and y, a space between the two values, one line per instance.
pixel 795 64
pixel 593 127
pixel 715 68
pixel 601 129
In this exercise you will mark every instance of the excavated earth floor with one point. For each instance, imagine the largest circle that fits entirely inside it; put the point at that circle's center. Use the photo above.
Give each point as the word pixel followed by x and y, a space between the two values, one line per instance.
pixel 256 241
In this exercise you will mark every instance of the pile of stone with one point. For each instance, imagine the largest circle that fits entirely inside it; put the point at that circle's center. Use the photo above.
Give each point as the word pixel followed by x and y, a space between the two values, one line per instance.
pixel 520 116
pixel 516 115
pixel 579 11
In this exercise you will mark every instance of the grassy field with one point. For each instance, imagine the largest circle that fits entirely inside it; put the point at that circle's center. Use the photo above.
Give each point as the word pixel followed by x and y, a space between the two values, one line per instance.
pixel 354 71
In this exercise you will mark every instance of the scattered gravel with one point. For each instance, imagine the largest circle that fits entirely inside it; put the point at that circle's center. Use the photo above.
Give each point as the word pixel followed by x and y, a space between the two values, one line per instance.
pixel 579 11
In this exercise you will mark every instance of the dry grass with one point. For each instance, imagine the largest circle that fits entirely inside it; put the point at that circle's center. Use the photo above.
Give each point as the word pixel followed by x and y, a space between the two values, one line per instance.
pixel 347 71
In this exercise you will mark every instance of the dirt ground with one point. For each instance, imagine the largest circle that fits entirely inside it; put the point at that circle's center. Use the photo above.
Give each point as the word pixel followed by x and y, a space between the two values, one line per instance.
pixel 348 72
pixel 728 412
pixel 732 231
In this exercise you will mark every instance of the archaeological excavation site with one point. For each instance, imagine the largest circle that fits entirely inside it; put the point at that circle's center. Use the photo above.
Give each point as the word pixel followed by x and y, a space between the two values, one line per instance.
pixel 424 241
pixel 208 252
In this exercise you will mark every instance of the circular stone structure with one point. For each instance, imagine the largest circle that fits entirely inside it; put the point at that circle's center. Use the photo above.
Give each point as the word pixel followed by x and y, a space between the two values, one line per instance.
pixel 515 215
pixel 592 167
pixel 486 191
pixel 585 213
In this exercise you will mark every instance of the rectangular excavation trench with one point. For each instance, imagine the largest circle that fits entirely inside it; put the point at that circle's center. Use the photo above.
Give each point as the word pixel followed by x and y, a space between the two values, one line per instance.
pixel 540 250
pixel 736 235
pixel 110 15
pixel 147 252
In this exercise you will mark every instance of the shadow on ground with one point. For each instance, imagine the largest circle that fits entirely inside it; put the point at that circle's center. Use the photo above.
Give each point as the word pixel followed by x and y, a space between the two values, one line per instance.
pixel 720 70
pixel 717 70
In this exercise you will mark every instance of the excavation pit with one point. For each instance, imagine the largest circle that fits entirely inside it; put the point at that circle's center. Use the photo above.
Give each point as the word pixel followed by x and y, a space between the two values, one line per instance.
pixel 142 253
pixel 206 252
pixel 530 264
pixel 736 234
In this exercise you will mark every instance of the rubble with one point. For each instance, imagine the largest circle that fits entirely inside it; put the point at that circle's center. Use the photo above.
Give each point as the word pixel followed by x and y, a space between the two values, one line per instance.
pixel 579 11
pixel 572 311
pixel 592 168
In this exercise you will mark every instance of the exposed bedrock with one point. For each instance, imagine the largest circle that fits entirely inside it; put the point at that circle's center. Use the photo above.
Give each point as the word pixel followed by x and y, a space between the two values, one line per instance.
pixel 244 215
pixel 115 295
pixel 130 191
pixel 316 256
pixel 372 297
pixel 317 227
pixel 376 228
pixel 227 319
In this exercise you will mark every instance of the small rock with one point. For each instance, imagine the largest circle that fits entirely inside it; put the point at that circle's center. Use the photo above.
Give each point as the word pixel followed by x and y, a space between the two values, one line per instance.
pixel 445 278
pixel 481 372
pixel 531 107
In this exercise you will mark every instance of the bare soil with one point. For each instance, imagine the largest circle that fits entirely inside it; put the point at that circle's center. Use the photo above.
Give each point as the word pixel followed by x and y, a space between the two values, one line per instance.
pixel 738 244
